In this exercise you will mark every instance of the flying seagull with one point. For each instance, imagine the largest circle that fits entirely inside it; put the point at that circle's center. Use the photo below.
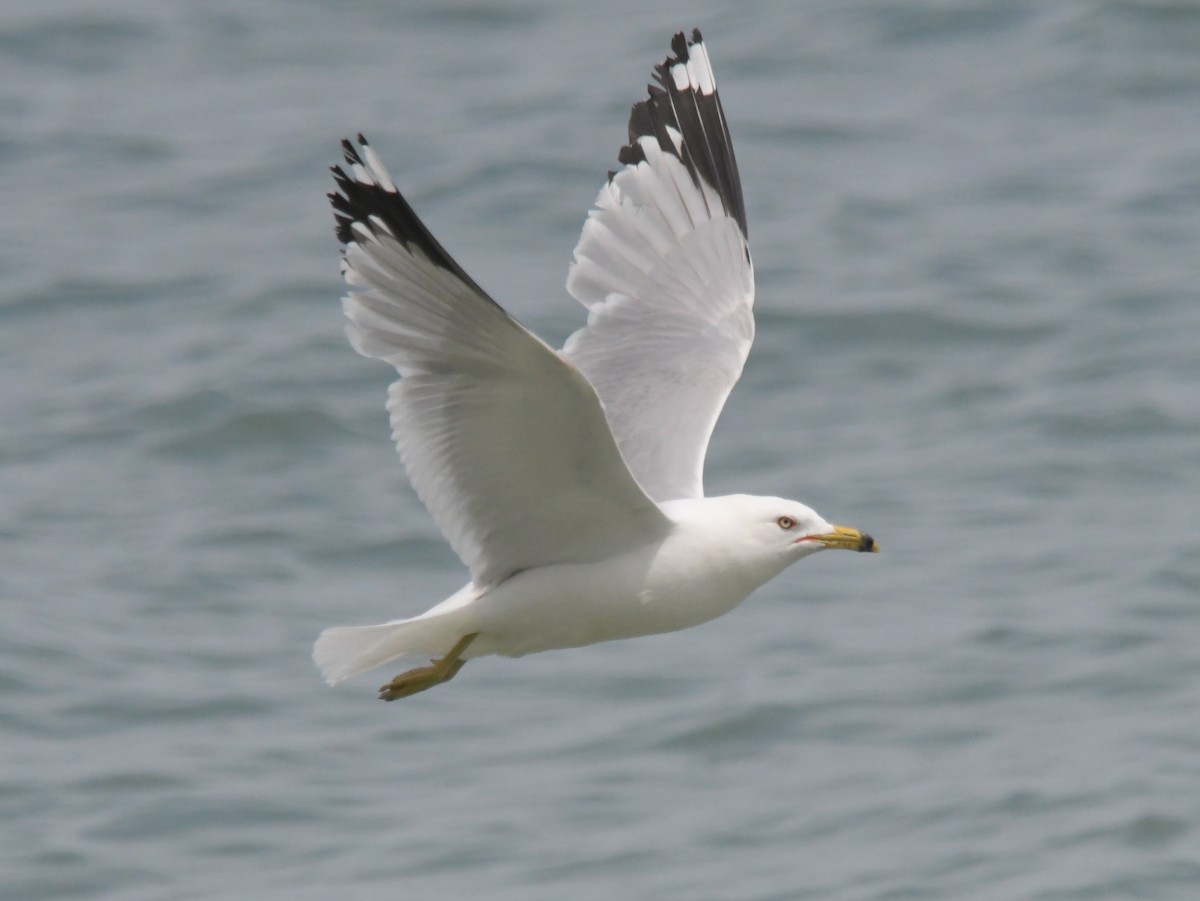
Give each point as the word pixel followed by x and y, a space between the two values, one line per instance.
pixel 570 482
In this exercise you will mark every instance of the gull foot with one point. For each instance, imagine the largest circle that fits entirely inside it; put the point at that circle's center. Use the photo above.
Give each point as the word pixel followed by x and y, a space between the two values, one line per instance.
pixel 423 677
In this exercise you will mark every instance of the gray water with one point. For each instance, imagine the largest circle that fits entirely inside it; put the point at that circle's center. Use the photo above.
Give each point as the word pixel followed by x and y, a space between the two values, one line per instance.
pixel 976 230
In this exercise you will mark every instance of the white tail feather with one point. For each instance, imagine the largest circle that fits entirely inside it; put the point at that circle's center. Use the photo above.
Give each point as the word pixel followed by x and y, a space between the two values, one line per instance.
pixel 345 651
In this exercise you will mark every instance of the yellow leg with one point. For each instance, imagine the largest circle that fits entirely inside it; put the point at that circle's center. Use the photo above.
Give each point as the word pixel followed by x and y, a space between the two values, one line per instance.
pixel 441 670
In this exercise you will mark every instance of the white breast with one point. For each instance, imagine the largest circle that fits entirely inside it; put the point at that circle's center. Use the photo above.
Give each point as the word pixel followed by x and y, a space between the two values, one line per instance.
pixel 694 575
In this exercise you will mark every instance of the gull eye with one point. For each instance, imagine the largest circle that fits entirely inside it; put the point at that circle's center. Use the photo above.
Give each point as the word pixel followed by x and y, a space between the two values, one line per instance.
pixel 786 523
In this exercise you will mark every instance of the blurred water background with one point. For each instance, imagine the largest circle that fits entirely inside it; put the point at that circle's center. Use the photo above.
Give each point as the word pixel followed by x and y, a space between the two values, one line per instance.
pixel 976 227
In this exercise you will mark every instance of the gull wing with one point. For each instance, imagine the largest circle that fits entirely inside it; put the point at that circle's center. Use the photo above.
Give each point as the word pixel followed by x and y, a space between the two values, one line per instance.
pixel 663 267
pixel 505 442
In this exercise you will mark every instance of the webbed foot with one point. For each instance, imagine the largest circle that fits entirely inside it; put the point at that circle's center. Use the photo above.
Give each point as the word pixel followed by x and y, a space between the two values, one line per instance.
pixel 423 677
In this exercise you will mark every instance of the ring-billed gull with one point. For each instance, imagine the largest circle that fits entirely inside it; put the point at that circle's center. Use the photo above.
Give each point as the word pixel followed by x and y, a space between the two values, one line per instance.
pixel 570 482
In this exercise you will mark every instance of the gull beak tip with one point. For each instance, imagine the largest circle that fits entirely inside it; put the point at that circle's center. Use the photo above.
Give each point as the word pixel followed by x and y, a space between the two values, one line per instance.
pixel 849 539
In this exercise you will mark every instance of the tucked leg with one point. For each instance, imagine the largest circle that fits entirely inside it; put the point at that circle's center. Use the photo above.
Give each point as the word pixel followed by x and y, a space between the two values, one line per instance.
pixel 441 670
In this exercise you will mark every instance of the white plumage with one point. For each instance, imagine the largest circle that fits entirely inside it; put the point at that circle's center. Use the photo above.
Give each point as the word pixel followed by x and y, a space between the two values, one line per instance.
pixel 570 483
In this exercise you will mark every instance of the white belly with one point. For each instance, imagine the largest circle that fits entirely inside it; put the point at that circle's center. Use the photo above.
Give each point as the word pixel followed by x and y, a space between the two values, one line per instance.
pixel 574 604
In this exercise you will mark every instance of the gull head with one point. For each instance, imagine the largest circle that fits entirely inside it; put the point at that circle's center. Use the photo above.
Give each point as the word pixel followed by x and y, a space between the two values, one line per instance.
pixel 763 534
pixel 790 530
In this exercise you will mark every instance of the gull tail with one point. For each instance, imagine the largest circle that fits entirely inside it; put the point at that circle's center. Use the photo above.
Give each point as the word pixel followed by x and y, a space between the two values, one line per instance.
pixel 345 651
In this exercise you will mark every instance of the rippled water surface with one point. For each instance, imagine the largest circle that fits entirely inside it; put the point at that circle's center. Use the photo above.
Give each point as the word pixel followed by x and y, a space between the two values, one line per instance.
pixel 975 228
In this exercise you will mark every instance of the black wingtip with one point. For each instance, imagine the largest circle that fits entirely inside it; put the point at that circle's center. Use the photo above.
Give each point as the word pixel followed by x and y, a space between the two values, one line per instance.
pixel 365 201
pixel 679 46
pixel 670 112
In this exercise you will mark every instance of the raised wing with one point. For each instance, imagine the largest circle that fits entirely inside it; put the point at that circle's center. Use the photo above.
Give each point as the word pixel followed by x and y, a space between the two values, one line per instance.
pixel 663 267
pixel 504 441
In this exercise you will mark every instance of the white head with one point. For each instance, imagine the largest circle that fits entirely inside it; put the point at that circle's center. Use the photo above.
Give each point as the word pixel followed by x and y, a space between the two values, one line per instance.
pixel 765 535
pixel 792 530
